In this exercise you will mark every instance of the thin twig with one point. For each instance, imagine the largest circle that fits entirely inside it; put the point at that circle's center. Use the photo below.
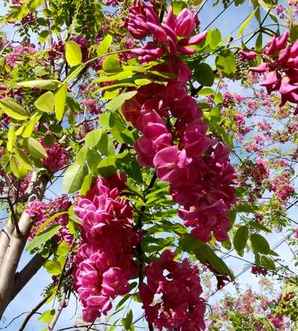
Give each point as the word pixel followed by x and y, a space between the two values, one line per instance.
pixel 33 312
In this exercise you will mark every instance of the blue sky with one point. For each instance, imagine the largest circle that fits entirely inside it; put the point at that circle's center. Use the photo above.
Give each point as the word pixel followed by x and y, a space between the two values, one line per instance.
pixel 227 23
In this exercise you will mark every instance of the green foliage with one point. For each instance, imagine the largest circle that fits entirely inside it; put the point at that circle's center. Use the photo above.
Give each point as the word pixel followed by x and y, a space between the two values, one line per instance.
pixel 240 239
pixel 41 238
pixel 204 254
pixel 73 53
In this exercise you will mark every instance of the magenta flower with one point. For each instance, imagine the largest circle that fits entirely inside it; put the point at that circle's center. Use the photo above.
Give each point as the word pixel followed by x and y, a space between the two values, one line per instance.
pixel 178 286
pixel 104 263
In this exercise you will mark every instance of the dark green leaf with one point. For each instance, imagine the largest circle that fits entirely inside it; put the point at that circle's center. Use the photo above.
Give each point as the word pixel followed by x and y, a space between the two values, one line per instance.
pixel 259 244
pixel 240 239
pixel 204 74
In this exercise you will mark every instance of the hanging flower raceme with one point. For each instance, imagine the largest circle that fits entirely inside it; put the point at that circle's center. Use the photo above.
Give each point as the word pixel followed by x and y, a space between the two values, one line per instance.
pixel 43 215
pixel 196 166
pixel 280 68
pixel 104 262
pixel 173 35
pixel 171 296
pixel 57 156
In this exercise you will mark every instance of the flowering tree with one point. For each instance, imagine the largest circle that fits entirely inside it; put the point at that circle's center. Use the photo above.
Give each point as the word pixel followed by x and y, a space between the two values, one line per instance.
pixel 164 168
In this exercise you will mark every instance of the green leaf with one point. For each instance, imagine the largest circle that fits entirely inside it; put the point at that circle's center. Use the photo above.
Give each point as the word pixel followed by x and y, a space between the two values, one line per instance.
pixel 267 262
pixel 93 138
pixel 104 45
pixel 46 84
pixel 246 22
pixel 73 53
pixel 240 239
pixel 44 236
pixel 60 100
pixel 226 62
pixel 45 102
pixel 30 126
pixel 19 164
pixel 204 254
pixel 73 177
pixel 259 42
pixel 119 100
pixel 11 138
pixel 206 91
pixel 87 182
pixel 47 316
pixel 294 32
pixel 127 321
pixel 13 109
pixel 107 167
pixel 204 74
pixel 213 38
pixel 111 64
pixel 35 148
pixel 259 244
pixel 53 267
pixel 74 73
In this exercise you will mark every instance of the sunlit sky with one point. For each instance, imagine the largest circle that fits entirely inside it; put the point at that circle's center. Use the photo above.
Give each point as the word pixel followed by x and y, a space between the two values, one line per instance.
pixel 228 23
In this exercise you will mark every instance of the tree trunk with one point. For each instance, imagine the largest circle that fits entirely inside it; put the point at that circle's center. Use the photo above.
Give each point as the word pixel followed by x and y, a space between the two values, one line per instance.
pixel 10 282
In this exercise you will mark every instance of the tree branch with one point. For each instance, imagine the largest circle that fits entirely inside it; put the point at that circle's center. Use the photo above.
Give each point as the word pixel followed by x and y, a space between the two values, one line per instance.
pixel 34 311
pixel 24 276
pixel 14 251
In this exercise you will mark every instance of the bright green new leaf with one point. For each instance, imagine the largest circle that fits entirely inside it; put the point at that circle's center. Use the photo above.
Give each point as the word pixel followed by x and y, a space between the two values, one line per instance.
pixel 38 241
pixel 206 91
pixel 111 64
pixel 87 182
pixel 35 148
pixel 60 100
pixel 246 22
pixel 47 316
pixel 19 164
pixel 104 45
pixel 53 267
pixel 93 138
pixel 45 102
pixel 11 138
pixel 213 38
pixel 46 84
pixel 119 100
pixel 13 109
pixel 74 177
pixel 28 129
pixel 73 53
pixel 226 62
pixel 74 73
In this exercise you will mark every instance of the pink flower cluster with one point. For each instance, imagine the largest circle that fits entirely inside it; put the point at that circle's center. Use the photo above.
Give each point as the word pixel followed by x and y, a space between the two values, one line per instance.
pixel 175 140
pixel 111 2
pixel 104 263
pixel 58 157
pixel 41 211
pixel 17 54
pixel 177 284
pixel 173 35
pixel 280 68
pixel 282 187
